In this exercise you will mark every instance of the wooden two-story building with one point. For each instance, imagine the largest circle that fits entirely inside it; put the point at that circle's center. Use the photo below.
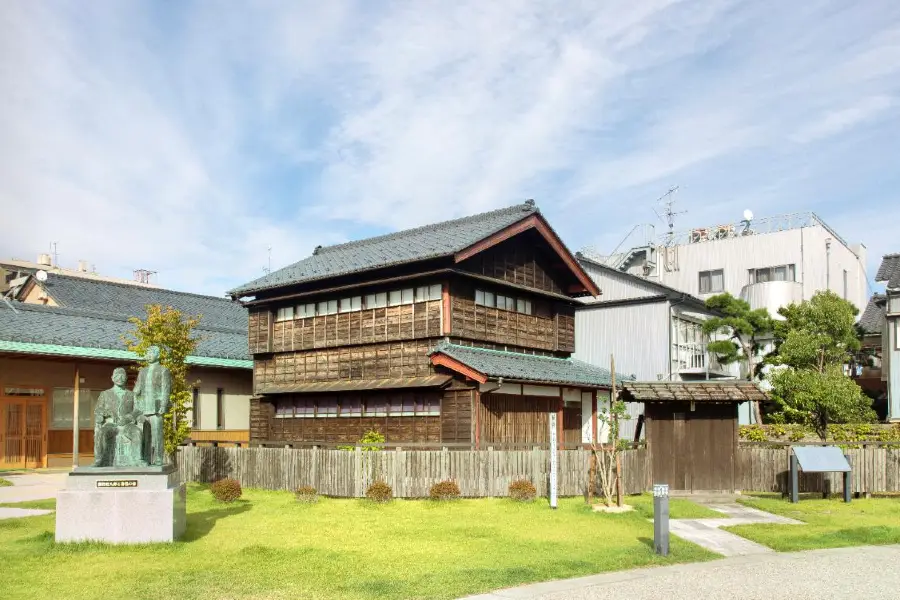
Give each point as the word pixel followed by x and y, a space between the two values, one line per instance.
pixel 458 332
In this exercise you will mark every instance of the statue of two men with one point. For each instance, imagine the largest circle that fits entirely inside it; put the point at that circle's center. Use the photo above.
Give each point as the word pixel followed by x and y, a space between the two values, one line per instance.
pixel 128 426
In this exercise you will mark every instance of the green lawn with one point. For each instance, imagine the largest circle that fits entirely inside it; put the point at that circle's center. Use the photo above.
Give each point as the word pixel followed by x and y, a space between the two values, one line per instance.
pixel 828 523
pixel 268 546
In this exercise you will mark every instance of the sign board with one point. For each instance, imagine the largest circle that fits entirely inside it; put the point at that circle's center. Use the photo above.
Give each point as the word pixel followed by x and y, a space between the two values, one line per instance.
pixel 553 460
pixel 117 483
pixel 821 459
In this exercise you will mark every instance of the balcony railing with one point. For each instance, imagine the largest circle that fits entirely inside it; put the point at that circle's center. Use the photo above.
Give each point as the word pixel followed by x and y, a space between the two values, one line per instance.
pixel 694 357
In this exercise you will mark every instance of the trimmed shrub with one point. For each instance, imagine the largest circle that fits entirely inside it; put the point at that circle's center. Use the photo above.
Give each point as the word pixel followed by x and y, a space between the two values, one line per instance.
pixel 522 490
pixel 226 490
pixel 444 490
pixel 307 494
pixel 379 491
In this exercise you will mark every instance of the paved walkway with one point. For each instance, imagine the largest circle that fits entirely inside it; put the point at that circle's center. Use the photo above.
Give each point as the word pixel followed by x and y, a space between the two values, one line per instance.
pixel 16 513
pixel 32 486
pixel 862 572
pixel 706 532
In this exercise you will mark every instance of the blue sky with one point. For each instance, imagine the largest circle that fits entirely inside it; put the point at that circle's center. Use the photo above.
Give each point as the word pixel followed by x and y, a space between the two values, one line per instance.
pixel 187 138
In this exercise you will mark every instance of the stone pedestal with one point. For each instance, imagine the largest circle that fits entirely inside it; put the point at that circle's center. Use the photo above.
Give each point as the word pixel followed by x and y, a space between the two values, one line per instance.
pixel 121 505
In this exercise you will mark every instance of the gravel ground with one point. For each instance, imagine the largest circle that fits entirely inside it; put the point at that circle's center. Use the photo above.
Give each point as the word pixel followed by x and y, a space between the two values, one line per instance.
pixel 864 572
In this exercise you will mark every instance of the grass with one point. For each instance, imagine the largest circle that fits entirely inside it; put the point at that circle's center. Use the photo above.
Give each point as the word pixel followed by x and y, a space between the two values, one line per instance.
pixel 828 523
pixel 5 482
pixel 679 508
pixel 269 546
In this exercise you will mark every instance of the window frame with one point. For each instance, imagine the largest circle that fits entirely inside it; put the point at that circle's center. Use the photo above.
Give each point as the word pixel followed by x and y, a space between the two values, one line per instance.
pixel 709 275
pixel 195 408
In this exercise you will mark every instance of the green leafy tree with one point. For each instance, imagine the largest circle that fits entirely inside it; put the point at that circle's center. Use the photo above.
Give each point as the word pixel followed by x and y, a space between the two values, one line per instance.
pixel 818 398
pixel 813 343
pixel 738 330
pixel 605 457
pixel 171 331
pixel 816 333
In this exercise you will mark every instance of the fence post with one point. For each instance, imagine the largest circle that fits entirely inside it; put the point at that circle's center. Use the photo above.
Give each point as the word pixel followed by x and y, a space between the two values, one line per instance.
pixel 490 471
pixel 398 478
pixel 314 468
pixel 445 464
pixel 535 466
pixel 357 473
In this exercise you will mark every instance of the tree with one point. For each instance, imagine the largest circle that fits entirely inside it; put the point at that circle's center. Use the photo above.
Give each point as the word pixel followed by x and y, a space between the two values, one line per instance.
pixel 813 343
pixel 168 329
pixel 816 333
pixel 818 398
pixel 742 328
pixel 605 457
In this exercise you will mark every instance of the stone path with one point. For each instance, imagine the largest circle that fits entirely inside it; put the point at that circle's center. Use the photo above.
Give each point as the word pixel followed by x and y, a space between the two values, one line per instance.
pixel 32 486
pixel 16 513
pixel 861 572
pixel 707 532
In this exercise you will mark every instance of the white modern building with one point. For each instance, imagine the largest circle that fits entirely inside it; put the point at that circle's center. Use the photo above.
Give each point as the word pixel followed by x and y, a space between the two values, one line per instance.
pixel 769 262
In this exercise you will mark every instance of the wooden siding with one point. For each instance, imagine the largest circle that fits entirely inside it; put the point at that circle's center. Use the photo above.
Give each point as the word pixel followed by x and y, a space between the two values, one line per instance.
pixel 506 418
pixel 373 361
pixel 258 330
pixel 471 321
pixel 456 415
pixel 262 414
pixel 479 473
pixel 59 441
pixel 352 429
pixel 524 260
pixel 220 435
pixel 693 450
pixel 393 323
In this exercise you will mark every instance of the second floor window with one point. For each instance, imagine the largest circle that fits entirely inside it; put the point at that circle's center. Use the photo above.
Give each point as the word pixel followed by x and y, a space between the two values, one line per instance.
pixel 712 282
pixel 483 298
pixel 779 273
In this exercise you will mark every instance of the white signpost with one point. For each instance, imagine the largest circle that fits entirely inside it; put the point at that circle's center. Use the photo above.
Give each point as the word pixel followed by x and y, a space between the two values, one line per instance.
pixel 553 460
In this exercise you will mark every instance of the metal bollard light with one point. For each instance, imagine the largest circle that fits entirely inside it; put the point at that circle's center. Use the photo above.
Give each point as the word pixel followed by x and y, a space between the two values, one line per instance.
pixel 661 518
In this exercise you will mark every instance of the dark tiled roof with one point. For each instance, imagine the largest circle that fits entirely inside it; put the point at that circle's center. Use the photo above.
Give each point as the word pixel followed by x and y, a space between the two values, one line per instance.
pixel 872 320
pixel 412 245
pixel 889 271
pixel 131 300
pixel 706 391
pixel 516 366
pixel 92 329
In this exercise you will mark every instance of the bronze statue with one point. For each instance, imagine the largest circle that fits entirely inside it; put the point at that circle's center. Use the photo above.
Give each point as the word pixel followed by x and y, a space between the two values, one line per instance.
pixel 113 405
pixel 151 398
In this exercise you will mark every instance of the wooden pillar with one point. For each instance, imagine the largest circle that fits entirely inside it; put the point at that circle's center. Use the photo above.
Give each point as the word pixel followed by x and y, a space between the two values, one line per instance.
pixel 75 449
pixel 445 309
pixel 476 417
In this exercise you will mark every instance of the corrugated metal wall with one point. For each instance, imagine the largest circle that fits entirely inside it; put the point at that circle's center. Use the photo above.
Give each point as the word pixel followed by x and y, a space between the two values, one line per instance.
pixel 618 286
pixel 636 334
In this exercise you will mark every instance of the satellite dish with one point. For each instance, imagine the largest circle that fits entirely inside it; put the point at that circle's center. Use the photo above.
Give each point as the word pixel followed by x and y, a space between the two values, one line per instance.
pixel 41 275
pixel 748 215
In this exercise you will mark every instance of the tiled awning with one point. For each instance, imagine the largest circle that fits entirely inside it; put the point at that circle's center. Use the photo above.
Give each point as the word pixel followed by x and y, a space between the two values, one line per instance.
pixel 347 385
pixel 694 391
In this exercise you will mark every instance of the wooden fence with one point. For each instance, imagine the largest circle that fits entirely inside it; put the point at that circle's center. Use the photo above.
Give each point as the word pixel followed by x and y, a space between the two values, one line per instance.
pixel 411 473
pixel 764 468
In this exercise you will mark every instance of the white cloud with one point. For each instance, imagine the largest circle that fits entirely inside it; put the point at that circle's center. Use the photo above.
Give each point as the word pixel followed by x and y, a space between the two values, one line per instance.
pixel 838 121
pixel 190 140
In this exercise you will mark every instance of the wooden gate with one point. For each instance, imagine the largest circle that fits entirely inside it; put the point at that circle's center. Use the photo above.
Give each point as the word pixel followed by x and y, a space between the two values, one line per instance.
pixel 23 433
pixel 692 450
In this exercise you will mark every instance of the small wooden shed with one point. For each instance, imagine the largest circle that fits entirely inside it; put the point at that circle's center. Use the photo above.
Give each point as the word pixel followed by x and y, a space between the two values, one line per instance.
pixel 692 430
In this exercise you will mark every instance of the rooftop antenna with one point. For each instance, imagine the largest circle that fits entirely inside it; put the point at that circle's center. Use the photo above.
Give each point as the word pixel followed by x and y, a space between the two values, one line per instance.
pixel 268 269
pixel 668 202
pixel 55 254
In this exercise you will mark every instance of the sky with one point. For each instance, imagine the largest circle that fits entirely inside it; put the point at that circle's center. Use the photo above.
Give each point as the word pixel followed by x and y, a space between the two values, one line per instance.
pixel 188 138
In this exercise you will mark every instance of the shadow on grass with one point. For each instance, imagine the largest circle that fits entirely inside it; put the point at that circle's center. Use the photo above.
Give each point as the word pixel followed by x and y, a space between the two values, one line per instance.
pixel 200 524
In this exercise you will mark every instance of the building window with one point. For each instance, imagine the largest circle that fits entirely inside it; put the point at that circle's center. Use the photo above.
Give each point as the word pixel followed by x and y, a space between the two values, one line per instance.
pixel 285 314
pixel 351 407
pixel 483 298
pixel 523 306
pixel 779 273
pixel 428 292
pixel 304 408
pixel 351 304
pixel 62 406
pixel 284 410
pixel 394 298
pixel 328 307
pixel 23 391
pixel 376 407
pixel 220 408
pixel 195 408
pixel 378 300
pixel 407 296
pixel 305 310
pixel 328 407
pixel 712 282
